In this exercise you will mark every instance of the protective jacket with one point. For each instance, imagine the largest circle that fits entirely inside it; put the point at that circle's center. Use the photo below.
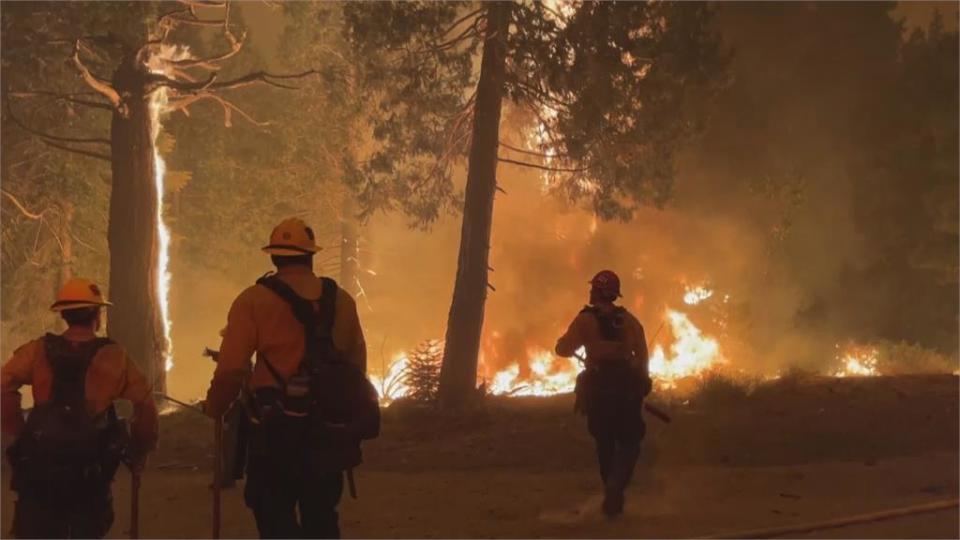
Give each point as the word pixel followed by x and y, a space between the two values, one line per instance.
pixel 111 375
pixel 586 331
pixel 261 322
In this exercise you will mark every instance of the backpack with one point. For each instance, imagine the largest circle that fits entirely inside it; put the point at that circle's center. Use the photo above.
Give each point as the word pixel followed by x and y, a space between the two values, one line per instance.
pixel 611 323
pixel 335 396
pixel 611 381
pixel 63 451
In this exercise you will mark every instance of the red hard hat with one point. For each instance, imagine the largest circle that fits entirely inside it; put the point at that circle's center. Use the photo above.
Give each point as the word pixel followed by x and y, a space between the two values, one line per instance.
pixel 607 281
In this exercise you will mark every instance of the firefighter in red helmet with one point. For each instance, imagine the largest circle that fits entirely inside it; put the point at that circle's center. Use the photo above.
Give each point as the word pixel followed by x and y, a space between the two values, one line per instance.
pixel 611 388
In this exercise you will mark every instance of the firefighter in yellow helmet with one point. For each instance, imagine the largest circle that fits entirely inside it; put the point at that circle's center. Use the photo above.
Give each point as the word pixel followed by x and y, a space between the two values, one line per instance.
pixel 308 392
pixel 65 455
pixel 613 385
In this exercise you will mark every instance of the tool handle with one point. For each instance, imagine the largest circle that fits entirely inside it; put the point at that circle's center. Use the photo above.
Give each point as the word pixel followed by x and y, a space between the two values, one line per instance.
pixel 135 505
pixel 351 484
pixel 664 417
pixel 217 473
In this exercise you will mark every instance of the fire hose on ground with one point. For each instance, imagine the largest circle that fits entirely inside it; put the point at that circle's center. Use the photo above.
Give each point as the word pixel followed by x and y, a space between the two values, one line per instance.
pixel 858 519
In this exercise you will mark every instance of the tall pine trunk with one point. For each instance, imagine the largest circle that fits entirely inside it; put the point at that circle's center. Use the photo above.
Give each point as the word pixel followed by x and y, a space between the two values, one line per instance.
pixel 458 375
pixel 135 319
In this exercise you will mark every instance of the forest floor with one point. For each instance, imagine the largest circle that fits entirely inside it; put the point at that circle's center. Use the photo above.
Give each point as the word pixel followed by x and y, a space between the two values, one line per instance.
pixel 792 451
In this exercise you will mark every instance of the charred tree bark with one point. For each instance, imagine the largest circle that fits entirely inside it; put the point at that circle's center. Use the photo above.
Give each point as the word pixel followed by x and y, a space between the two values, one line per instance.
pixel 458 376
pixel 349 245
pixel 135 320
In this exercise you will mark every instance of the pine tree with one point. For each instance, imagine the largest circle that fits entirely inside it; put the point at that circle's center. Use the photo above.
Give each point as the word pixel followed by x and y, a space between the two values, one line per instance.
pixel 613 87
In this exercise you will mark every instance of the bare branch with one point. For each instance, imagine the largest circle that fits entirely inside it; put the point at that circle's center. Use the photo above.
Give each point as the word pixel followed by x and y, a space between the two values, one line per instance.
pixel 171 18
pixel 457 22
pixel 210 62
pixel 263 77
pixel 536 93
pixel 471 29
pixel 228 107
pixel 541 167
pixel 100 86
pixel 23 209
pixel 528 152
pixel 258 77
pixel 65 97
pixel 87 153
pixel 159 81
pixel 85 244
pixel 196 4
pixel 43 135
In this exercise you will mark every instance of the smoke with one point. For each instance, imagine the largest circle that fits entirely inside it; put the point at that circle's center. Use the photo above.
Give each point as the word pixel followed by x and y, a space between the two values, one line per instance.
pixel 774 210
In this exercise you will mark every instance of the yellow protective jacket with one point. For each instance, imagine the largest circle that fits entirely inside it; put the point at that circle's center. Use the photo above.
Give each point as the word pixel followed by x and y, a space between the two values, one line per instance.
pixel 112 375
pixel 261 322
pixel 584 331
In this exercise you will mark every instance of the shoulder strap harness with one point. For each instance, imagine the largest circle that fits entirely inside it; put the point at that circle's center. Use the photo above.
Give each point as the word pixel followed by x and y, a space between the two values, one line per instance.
pixel 316 316
pixel 69 361
pixel 611 324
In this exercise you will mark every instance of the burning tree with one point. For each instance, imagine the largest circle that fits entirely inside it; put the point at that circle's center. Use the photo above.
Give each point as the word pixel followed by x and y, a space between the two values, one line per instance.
pixel 612 90
pixel 153 72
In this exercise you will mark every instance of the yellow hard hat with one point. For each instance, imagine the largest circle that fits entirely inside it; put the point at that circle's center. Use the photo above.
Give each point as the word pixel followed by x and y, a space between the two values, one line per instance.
pixel 79 293
pixel 292 237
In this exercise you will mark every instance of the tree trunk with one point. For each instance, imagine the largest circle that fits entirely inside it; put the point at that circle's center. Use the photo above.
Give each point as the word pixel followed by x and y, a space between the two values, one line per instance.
pixel 349 245
pixel 135 320
pixel 458 376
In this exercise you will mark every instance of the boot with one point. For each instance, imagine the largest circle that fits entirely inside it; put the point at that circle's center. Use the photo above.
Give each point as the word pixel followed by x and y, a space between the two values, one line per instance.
pixel 612 503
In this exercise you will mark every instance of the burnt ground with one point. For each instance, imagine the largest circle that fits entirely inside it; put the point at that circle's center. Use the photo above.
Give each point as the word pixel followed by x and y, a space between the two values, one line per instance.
pixel 792 451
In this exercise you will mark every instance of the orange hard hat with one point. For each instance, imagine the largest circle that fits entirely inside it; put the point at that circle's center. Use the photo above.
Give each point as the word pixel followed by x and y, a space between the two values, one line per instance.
pixel 292 237
pixel 79 293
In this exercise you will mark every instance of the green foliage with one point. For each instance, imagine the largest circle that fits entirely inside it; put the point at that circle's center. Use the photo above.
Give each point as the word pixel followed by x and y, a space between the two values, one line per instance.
pixel 420 88
pixel 69 190
pixel 423 371
pixel 612 86
pixel 247 177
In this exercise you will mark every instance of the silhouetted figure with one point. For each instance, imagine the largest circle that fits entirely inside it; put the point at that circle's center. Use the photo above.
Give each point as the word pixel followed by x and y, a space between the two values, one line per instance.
pixel 611 388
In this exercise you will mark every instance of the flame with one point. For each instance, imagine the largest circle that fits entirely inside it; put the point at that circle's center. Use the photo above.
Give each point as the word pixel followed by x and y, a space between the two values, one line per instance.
pixel 694 295
pixel 858 362
pixel 691 353
pixel 392 384
pixel 157 63
pixel 549 375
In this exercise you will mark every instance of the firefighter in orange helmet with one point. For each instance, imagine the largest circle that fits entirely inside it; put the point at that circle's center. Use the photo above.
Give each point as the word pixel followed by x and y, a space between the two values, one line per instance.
pixel 611 388
pixel 65 455
pixel 305 332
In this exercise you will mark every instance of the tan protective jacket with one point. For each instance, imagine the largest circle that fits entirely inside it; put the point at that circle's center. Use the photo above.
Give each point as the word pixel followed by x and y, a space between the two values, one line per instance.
pixel 261 322
pixel 584 331
pixel 112 375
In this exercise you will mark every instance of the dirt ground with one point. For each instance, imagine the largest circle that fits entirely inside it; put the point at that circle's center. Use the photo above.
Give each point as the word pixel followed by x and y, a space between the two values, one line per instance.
pixel 795 451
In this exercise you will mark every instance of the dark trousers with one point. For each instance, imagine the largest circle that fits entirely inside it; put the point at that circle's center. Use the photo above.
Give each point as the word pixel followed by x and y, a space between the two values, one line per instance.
pixel 86 517
pixel 617 428
pixel 275 491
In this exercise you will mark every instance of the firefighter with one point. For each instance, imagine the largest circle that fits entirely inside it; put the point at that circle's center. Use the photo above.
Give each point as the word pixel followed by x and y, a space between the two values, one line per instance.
pixel 611 388
pixel 66 453
pixel 306 333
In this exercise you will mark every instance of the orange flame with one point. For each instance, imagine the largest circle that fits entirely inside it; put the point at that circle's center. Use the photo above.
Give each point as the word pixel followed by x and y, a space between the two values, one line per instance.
pixel 858 362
